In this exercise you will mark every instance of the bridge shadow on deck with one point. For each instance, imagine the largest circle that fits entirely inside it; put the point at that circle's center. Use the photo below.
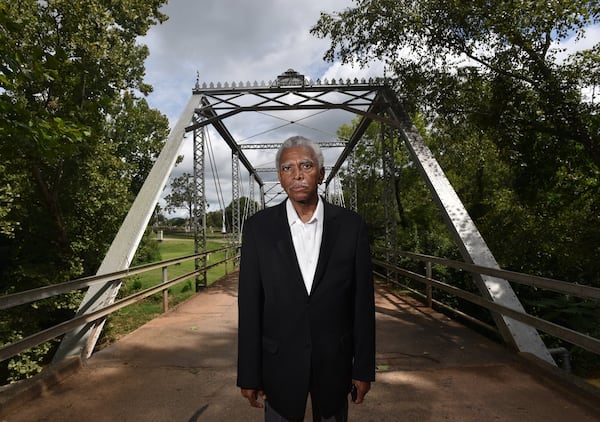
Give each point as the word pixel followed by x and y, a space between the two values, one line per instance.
pixel 182 367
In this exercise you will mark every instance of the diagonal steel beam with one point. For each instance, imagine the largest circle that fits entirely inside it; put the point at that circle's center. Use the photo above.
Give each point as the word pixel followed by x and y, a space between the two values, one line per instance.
pixel 217 122
pixel 367 117
pixel 81 341
pixel 472 246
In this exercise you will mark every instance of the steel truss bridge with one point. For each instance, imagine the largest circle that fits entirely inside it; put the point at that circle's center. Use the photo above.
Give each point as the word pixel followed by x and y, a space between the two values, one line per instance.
pixel 219 108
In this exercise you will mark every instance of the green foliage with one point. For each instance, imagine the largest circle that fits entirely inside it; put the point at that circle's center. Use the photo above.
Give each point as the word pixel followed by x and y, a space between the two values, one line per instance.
pixel 418 222
pixel 75 141
pixel 510 126
pixel 187 287
pixel 509 121
pixel 182 195
pixel 139 133
pixel 27 363
pixel 148 250
pixel 532 101
pixel 244 204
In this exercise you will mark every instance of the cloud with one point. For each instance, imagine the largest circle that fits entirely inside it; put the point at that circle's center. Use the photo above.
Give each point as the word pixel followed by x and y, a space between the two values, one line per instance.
pixel 229 40
pixel 233 41
pixel 574 44
pixel 239 41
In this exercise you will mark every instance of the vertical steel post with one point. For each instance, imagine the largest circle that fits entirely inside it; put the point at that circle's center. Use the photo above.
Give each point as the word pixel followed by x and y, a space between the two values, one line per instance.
pixel 428 288
pixel 389 194
pixel 81 341
pixel 235 197
pixel 199 207
pixel 352 184
pixel 252 204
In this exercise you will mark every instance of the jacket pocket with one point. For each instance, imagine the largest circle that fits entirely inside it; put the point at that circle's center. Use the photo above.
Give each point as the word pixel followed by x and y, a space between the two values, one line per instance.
pixel 270 345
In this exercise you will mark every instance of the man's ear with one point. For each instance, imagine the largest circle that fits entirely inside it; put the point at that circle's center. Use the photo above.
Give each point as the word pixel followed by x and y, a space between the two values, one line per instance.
pixel 321 175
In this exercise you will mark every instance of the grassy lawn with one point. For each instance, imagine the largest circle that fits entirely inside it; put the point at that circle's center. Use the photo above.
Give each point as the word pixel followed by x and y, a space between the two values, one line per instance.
pixel 128 319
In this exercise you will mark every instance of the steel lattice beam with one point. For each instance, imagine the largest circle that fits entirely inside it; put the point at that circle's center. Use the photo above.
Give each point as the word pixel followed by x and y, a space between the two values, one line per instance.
pixel 275 145
pixel 235 201
pixel 370 100
pixel 199 206
pixel 473 247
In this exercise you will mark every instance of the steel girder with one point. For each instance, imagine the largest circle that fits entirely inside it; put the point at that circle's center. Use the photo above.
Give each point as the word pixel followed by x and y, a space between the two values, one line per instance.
pixel 368 99
pixel 199 206
pixel 372 101
pixel 81 341
pixel 473 247
pixel 236 233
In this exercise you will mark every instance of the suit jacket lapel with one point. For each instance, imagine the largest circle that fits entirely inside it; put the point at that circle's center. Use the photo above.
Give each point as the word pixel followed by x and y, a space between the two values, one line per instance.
pixel 330 233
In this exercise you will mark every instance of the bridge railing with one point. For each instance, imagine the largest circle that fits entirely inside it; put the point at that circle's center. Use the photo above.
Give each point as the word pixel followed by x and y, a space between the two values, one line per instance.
pixel 582 340
pixel 34 295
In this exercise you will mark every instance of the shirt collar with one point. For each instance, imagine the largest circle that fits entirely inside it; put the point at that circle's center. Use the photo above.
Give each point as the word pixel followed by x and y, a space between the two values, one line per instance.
pixel 292 215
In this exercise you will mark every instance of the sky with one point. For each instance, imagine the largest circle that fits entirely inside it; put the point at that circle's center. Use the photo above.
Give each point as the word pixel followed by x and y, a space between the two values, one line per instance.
pixel 257 40
pixel 232 41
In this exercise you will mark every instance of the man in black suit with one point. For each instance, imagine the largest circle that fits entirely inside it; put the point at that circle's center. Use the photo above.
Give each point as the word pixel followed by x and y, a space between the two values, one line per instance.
pixel 306 305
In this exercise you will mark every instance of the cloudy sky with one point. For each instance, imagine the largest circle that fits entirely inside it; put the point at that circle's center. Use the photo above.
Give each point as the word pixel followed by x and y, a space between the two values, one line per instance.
pixel 232 41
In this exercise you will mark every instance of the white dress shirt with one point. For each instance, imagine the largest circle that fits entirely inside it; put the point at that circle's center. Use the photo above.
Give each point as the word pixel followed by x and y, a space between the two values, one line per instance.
pixel 307 240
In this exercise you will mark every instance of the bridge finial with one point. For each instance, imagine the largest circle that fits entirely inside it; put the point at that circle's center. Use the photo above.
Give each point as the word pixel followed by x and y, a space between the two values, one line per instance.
pixel 197 80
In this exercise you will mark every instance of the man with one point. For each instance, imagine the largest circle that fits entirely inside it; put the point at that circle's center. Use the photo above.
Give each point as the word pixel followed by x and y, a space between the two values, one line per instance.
pixel 306 306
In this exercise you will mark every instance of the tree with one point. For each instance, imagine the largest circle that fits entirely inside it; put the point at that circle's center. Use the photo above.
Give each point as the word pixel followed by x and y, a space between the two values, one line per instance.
pixel 139 133
pixel 418 222
pixel 510 44
pixel 506 117
pixel 70 73
pixel 182 196
pixel 244 205
pixel 491 77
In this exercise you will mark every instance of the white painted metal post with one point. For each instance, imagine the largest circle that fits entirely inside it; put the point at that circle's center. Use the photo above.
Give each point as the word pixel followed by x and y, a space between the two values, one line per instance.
pixel 473 247
pixel 81 341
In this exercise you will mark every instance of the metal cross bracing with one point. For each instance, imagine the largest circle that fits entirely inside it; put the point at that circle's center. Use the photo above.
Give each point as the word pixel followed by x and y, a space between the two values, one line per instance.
pixel 199 206
pixel 235 197
pixel 389 190
pixel 214 105
pixel 274 146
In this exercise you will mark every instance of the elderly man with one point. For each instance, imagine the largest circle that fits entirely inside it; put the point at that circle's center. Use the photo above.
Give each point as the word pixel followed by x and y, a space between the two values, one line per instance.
pixel 306 306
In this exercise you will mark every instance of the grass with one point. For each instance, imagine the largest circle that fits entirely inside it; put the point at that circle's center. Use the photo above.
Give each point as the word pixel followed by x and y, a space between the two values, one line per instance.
pixel 131 317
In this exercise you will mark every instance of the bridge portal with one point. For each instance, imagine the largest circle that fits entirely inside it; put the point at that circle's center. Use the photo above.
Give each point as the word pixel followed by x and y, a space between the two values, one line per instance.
pixel 292 98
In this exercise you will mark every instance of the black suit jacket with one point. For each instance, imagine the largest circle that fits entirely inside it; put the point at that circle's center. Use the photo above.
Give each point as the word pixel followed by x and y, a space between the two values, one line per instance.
pixel 290 341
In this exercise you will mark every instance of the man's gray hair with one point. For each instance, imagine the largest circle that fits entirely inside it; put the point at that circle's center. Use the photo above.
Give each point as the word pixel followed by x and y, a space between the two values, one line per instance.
pixel 300 141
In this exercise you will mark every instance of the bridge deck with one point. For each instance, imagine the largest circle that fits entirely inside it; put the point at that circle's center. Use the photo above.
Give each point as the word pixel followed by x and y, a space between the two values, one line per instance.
pixel 181 367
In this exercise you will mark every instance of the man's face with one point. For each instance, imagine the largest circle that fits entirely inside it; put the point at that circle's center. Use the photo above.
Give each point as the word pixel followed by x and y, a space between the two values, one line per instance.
pixel 299 174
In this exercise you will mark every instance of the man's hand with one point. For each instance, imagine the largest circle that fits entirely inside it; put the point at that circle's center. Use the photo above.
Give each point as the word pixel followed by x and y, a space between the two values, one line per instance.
pixel 362 388
pixel 253 396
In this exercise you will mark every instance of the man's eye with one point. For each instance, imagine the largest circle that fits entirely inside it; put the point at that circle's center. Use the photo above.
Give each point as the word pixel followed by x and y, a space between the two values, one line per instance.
pixel 285 168
pixel 307 165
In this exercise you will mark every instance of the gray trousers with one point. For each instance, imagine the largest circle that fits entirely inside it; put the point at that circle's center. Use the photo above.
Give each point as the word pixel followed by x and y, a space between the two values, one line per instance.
pixel 341 415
